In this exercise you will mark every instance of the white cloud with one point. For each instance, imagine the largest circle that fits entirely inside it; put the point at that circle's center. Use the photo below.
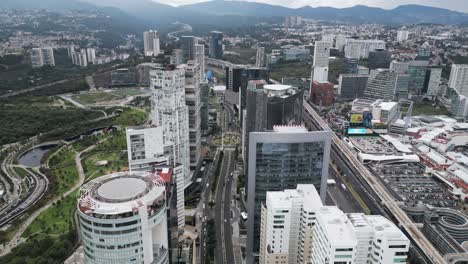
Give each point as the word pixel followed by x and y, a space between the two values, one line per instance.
pixel 458 5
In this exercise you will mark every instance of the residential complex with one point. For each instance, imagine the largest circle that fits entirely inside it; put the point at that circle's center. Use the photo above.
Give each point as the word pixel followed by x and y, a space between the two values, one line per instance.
pixel 169 111
pixel 359 49
pixel 42 57
pixel 151 43
pixel 321 61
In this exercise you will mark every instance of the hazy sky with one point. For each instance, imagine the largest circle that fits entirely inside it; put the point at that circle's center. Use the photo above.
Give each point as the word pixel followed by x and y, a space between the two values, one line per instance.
pixel 458 5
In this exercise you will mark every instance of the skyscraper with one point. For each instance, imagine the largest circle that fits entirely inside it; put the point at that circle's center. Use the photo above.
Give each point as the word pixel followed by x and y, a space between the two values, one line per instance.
pixel 177 57
pixel 188 47
pixel 379 58
pixel 193 102
pixel 352 86
pixel 287 224
pixel 151 43
pixel 387 85
pixel 200 59
pixel 216 45
pixel 432 82
pixel 459 78
pixel 169 111
pixel 260 58
pixel 279 160
pixel 122 218
pixel 268 106
pixel 417 71
pixel 321 61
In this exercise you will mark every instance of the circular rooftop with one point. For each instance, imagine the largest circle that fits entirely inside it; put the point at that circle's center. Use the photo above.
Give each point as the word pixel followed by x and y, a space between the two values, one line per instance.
pixel 122 188
pixel 277 87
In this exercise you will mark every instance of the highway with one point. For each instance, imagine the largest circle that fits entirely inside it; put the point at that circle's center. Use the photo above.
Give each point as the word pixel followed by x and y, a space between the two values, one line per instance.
pixel 380 191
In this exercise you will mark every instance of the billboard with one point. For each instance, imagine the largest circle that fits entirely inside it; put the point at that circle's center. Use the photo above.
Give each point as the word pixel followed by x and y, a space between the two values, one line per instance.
pixel 356 118
pixel 359 131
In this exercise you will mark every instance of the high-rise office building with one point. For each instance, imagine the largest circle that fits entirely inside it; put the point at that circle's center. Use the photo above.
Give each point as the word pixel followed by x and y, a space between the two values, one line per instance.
pixel 237 78
pixel 42 57
pixel 216 45
pixel 288 218
pixel 402 35
pixel 379 58
pixel 424 53
pixel 193 102
pixel 270 105
pixel 359 49
pixel 200 59
pixel 151 43
pixel 260 58
pixel 122 218
pixel 417 71
pixel 340 42
pixel 279 160
pixel 322 93
pixel 169 111
pixel 352 86
pixel 321 61
pixel 204 98
pixel 459 78
pixel 387 85
pixel 356 238
pixel 188 47
pixel 432 82
pixel 350 66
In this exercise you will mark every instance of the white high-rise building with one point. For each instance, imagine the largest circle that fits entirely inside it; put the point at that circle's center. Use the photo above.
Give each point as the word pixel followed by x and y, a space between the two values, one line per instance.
pixel 321 61
pixel 340 42
pixel 177 57
pixel 459 78
pixel 91 55
pixel 122 218
pixel 80 58
pixel 145 148
pixel 402 35
pixel 42 57
pixel 329 38
pixel 359 49
pixel 287 224
pixel 151 43
pixel 169 111
pixel 260 58
pixel 193 102
pixel 334 240
pixel 200 59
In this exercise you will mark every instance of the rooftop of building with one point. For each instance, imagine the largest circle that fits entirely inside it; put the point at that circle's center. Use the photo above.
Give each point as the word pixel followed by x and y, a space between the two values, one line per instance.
pixel 290 129
pixel 336 225
pixel 277 87
pixel 120 192
pixel 378 223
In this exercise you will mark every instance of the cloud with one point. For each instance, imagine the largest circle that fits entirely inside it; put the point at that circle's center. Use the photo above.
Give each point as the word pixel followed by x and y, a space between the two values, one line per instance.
pixel 458 5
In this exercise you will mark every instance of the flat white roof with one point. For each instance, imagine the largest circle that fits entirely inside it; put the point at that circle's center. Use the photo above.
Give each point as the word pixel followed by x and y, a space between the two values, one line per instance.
pixel 337 226
pixel 219 88
pixel 289 129
pixel 387 106
pixel 277 87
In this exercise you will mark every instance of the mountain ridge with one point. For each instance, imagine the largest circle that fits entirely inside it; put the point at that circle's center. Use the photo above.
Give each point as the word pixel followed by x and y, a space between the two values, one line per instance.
pixel 217 11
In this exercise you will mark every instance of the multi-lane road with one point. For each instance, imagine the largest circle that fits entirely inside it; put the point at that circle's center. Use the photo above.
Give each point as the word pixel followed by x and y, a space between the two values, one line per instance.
pixel 378 190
